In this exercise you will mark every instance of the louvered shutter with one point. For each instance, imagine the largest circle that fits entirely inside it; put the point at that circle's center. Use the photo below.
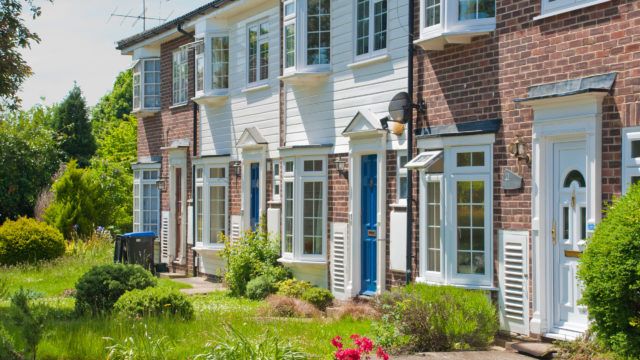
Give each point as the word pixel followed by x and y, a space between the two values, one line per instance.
pixel 236 221
pixel 339 259
pixel 514 265
pixel 164 237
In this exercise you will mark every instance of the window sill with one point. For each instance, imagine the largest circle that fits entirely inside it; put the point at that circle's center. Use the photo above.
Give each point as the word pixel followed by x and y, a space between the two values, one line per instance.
pixel 423 280
pixel 399 205
pixel 302 262
pixel 208 250
pixel 439 40
pixel 304 77
pixel 369 61
pixel 254 88
pixel 177 106
pixel 143 113
pixel 275 202
pixel 563 10
pixel 212 99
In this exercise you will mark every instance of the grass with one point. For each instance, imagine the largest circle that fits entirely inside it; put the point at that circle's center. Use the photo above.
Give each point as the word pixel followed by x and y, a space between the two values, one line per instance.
pixel 70 337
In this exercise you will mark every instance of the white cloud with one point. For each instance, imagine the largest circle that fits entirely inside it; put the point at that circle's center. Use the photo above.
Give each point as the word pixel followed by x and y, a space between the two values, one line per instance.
pixel 79 45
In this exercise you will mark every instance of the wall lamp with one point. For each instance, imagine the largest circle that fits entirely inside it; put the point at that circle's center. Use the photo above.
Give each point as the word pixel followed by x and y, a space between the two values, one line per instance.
pixel 518 149
pixel 161 184
pixel 341 165
pixel 237 167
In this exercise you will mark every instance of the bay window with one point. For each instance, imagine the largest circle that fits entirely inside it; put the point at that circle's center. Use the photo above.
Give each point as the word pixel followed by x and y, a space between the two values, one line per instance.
pixel 371 26
pixel 455 189
pixel 180 76
pixel 199 62
pixel 258 54
pixel 553 7
pixel 305 213
pixel 146 198
pixel 211 204
pixel 289 34
pixel 630 157
pixel 146 85
pixel 212 68
pixel 220 62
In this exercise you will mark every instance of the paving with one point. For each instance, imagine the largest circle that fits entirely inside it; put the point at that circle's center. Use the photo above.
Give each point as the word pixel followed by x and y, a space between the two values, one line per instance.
pixel 199 286
pixel 465 355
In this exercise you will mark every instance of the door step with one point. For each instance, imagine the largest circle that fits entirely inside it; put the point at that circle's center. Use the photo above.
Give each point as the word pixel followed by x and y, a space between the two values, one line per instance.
pixel 538 350
pixel 172 275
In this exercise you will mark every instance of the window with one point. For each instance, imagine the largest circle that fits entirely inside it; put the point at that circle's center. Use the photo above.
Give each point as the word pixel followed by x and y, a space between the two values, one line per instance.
pixel 146 85
pixel 431 13
pixel 559 6
pixel 401 173
pixel 304 235
pixel 476 9
pixel 258 52
pixel 456 189
pixel 630 157
pixel 289 34
pixel 276 181
pixel 211 204
pixel 199 53
pixel 180 73
pixel 371 26
pixel 307 34
pixel 146 200
pixel 220 62
pixel 318 32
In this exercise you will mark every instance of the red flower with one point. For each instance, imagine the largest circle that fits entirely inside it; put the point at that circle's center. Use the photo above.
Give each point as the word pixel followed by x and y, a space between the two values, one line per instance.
pixel 337 342
pixel 348 354
pixel 381 354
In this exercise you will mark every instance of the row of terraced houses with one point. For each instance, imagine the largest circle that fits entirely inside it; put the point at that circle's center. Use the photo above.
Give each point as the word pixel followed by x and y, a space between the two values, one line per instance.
pixel 526 120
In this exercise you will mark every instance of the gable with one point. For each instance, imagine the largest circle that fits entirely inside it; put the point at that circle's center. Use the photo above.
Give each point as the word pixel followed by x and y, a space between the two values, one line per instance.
pixel 364 121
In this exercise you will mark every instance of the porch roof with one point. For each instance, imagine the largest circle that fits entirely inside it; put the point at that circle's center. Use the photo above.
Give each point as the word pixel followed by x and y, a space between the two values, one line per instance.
pixel 459 129
pixel 595 83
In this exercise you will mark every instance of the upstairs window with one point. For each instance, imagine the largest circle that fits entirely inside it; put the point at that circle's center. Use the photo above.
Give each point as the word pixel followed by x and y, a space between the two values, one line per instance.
pixel 318 32
pixel 307 35
pixel 553 7
pixel 431 13
pixel 371 26
pixel 258 52
pixel 199 51
pixel 476 9
pixel 146 85
pixel 289 34
pixel 220 62
pixel 180 76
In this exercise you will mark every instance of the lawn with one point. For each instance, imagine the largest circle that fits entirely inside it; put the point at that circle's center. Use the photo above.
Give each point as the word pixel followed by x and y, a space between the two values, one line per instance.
pixel 70 337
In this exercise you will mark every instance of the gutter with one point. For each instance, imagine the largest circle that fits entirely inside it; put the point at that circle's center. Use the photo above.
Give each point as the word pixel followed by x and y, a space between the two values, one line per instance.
pixel 410 49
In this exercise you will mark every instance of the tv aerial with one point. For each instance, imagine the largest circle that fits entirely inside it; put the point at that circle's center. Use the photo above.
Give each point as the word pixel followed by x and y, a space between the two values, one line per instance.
pixel 142 16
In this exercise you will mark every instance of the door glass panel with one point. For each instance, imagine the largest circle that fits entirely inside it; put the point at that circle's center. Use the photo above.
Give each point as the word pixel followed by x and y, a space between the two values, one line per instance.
pixel 312 218
pixel 288 217
pixel 433 226
pixel 470 230
pixel 583 223
pixel 565 223
pixel 574 175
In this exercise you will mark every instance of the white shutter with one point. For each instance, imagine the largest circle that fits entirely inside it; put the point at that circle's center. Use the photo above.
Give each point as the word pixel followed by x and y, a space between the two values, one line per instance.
pixel 273 222
pixel 164 237
pixel 514 267
pixel 236 221
pixel 339 259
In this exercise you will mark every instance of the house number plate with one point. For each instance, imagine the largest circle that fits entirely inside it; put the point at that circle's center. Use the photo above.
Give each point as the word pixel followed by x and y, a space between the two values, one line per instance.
pixel 371 233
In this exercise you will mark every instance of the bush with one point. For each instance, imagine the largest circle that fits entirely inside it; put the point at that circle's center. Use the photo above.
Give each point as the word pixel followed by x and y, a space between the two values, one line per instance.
pixel 252 255
pixel 99 289
pixel 318 297
pixel 260 287
pixel 282 306
pixel 154 302
pixel 440 318
pixel 7 349
pixel 611 276
pixel 293 288
pixel 28 240
pixel 355 311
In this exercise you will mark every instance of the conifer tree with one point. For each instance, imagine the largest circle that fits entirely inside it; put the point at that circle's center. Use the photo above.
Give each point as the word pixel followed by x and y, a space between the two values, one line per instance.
pixel 72 124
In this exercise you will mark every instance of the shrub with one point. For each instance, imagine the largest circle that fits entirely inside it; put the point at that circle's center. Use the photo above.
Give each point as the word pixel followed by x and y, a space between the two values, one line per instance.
pixel 7 349
pixel 100 288
pixel 440 318
pixel 318 297
pixel 355 311
pixel 252 255
pixel 28 240
pixel 30 325
pixel 293 288
pixel 154 302
pixel 611 276
pixel 260 287
pixel 282 306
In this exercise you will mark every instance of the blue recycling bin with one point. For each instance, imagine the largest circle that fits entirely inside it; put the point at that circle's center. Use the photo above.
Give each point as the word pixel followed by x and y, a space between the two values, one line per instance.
pixel 136 248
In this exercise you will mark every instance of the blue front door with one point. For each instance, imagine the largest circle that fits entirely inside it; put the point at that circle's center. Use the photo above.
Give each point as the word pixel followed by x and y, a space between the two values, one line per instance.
pixel 369 196
pixel 254 211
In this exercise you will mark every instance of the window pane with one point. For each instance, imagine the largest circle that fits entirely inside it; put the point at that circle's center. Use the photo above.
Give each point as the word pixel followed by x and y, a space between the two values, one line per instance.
pixel 289 8
pixel 136 90
pixel 565 223
pixel 380 25
pixel 432 12
pixel 313 165
pixel 199 217
pixel 199 173
pixel 476 9
pixel 150 175
pixel 402 187
pixel 288 217
pixel 151 84
pixel 470 227
pixel 464 159
pixel 264 61
pixel 433 226
pixel 220 62
pixel 362 27
pixel 253 53
pixel 217 212
pixel 583 223
pixel 180 72
pixel 276 169
pixel 635 149
pixel 290 45
pixel 318 32
pixel 288 166
pixel 217 173
pixel 200 67
pixel 312 218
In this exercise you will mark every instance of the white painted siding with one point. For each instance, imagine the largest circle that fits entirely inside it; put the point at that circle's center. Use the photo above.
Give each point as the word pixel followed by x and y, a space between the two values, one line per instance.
pixel 318 113
pixel 221 126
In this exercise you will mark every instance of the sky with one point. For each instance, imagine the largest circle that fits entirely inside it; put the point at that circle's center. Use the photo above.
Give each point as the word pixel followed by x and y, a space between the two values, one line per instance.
pixel 78 44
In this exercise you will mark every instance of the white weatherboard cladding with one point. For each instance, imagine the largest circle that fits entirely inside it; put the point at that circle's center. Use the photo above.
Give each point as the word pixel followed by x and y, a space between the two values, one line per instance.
pixel 317 113
pixel 222 125
pixel 514 267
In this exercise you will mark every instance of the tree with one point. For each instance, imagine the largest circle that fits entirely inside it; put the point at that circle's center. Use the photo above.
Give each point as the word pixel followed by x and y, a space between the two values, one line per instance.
pixel 14 35
pixel 114 105
pixel 28 160
pixel 71 122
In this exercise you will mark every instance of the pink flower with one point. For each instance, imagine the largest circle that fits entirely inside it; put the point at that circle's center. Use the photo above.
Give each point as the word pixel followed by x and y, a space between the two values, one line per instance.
pixel 337 342
pixel 381 354
pixel 348 354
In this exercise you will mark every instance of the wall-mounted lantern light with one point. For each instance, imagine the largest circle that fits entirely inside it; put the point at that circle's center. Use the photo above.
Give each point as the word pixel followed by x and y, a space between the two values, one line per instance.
pixel 237 166
pixel 518 149
pixel 340 165
pixel 162 185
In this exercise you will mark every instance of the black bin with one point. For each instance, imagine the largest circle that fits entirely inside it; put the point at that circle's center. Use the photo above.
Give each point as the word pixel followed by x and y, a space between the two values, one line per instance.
pixel 136 248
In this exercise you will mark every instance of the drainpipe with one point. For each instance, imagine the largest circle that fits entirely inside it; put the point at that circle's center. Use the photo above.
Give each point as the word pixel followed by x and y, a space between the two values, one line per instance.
pixel 409 110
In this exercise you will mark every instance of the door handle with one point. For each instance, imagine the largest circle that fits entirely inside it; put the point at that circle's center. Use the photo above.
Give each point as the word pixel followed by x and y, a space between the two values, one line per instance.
pixel 553 233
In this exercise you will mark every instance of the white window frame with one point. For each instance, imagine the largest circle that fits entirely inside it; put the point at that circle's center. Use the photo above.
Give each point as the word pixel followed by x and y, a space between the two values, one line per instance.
pixel 298 178
pixel 289 20
pixel 401 172
pixel 549 8
pixel 199 61
pixel 140 73
pixel 448 217
pixel 180 76
pixel 371 35
pixel 450 23
pixel 276 184
pixel 301 41
pixel 630 166
pixel 138 206
pixel 207 182
pixel 261 40
pixel 211 63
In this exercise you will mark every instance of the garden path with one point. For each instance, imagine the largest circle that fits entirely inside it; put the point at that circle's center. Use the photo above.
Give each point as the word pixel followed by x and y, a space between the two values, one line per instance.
pixel 199 285
pixel 465 355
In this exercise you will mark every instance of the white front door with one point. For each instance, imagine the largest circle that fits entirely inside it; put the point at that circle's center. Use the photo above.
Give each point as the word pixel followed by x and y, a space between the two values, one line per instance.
pixel 569 229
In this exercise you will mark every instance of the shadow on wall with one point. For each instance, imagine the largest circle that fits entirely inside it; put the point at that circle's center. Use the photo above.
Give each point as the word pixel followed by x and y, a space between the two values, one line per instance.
pixel 315 123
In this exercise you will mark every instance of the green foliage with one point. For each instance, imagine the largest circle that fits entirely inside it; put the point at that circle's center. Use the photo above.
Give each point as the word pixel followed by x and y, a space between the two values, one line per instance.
pixel 154 302
pixel 28 159
pixel 260 287
pixel 318 297
pixel 293 288
pixel 30 325
pixel 440 318
pixel 237 346
pixel 16 37
pixel 99 289
pixel 28 240
pixel 7 349
pixel 142 345
pixel 611 275
pixel 71 121
pixel 115 105
pixel 583 348
pixel 252 255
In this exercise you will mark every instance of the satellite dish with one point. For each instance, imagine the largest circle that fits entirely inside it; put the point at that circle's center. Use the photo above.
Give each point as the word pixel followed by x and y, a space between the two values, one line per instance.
pixel 398 107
